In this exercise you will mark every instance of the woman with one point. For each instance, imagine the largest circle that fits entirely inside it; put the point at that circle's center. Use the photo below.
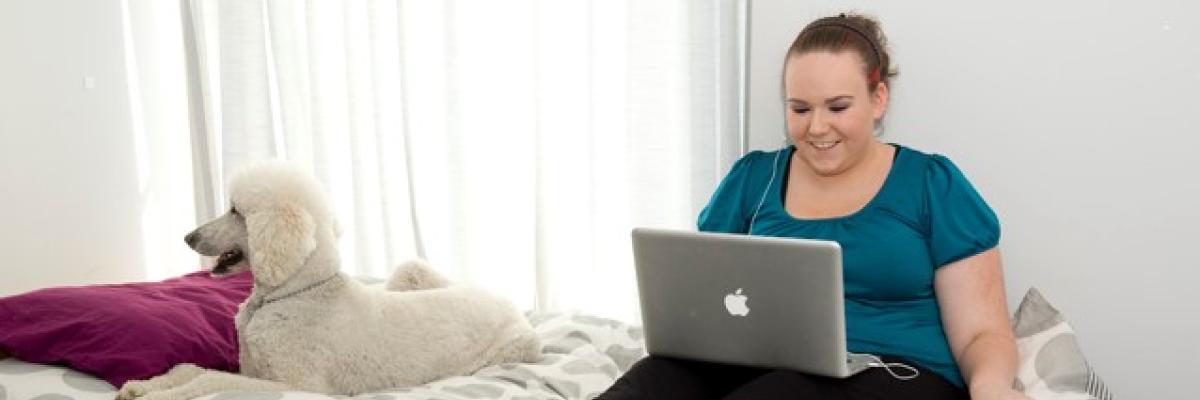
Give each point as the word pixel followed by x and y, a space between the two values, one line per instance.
pixel 923 281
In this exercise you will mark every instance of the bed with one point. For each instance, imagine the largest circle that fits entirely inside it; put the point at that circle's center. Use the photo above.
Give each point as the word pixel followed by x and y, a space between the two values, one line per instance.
pixel 582 356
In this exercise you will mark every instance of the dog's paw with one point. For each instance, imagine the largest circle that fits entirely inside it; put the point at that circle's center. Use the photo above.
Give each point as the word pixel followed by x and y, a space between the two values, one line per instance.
pixel 133 390
pixel 143 390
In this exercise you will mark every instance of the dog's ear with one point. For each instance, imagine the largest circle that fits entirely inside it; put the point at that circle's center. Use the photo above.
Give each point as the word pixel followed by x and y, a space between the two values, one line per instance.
pixel 280 240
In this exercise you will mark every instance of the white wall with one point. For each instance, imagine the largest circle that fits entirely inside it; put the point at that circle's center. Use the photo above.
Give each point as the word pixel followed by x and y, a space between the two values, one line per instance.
pixel 80 193
pixel 1077 121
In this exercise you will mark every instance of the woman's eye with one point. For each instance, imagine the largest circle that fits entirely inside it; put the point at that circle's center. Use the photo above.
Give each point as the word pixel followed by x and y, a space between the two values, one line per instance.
pixel 799 110
pixel 838 108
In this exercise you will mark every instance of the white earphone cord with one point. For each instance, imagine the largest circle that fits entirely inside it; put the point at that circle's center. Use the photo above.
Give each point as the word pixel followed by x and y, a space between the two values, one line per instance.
pixel 888 366
pixel 774 166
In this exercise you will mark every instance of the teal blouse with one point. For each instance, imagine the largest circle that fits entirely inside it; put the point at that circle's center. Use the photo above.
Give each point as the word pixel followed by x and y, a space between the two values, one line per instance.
pixel 925 215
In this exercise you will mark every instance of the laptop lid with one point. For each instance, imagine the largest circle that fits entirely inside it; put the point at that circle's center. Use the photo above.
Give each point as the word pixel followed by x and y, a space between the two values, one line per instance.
pixel 738 299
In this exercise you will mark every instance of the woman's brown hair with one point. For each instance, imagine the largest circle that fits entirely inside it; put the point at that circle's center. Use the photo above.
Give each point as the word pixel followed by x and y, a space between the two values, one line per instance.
pixel 853 32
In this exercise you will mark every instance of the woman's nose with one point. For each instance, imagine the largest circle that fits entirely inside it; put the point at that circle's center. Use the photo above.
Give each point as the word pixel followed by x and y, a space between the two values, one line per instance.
pixel 818 124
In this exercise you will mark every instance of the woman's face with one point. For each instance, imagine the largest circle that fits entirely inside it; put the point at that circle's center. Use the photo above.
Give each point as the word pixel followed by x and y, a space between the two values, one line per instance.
pixel 830 112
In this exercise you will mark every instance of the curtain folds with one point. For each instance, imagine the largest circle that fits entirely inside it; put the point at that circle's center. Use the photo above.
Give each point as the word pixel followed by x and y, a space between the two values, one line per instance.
pixel 512 143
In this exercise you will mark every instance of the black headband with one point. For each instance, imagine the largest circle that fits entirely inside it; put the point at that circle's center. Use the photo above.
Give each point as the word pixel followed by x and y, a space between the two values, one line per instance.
pixel 840 21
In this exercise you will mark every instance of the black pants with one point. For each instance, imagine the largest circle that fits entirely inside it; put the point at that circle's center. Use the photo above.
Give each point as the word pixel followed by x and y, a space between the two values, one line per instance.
pixel 668 378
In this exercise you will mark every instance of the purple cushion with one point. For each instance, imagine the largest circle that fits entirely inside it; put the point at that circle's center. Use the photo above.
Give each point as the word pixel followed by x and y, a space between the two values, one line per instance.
pixel 128 331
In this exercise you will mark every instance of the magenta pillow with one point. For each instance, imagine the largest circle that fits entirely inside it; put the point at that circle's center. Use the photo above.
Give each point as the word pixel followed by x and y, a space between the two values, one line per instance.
pixel 128 331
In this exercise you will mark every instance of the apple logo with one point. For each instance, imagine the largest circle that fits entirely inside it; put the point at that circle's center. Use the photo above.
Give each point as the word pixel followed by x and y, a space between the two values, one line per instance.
pixel 736 304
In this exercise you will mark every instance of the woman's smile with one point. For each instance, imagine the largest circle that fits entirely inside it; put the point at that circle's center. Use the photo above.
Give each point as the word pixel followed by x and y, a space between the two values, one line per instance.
pixel 823 145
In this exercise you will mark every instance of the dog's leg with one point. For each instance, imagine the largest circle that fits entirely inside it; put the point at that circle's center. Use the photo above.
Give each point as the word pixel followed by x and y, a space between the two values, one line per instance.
pixel 179 375
pixel 416 275
pixel 212 382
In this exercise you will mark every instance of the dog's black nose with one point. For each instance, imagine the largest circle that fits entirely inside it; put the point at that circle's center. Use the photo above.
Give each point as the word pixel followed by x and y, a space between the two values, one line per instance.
pixel 191 239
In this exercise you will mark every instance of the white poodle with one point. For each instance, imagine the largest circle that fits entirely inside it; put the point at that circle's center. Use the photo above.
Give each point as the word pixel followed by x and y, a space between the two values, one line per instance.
pixel 307 326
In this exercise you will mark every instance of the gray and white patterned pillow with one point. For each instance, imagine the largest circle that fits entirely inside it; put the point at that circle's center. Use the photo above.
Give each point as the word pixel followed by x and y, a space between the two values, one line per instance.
pixel 1052 365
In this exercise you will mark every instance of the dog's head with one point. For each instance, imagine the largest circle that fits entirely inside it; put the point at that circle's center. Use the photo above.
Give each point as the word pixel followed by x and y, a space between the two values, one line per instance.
pixel 276 215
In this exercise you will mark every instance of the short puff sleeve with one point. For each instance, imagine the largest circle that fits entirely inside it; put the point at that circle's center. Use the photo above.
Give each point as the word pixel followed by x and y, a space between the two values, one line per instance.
pixel 960 223
pixel 731 206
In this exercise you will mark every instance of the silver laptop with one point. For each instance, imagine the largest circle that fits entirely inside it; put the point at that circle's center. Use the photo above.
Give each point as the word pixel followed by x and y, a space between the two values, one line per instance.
pixel 748 300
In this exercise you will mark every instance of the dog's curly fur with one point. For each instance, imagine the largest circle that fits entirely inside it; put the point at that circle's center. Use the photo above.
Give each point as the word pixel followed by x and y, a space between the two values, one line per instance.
pixel 307 326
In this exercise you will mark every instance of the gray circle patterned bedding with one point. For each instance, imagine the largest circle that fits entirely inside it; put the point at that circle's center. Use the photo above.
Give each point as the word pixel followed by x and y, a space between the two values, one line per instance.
pixel 582 356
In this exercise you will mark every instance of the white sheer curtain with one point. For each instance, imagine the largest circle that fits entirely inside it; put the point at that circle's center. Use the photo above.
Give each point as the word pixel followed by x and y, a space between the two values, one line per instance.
pixel 154 82
pixel 512 143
